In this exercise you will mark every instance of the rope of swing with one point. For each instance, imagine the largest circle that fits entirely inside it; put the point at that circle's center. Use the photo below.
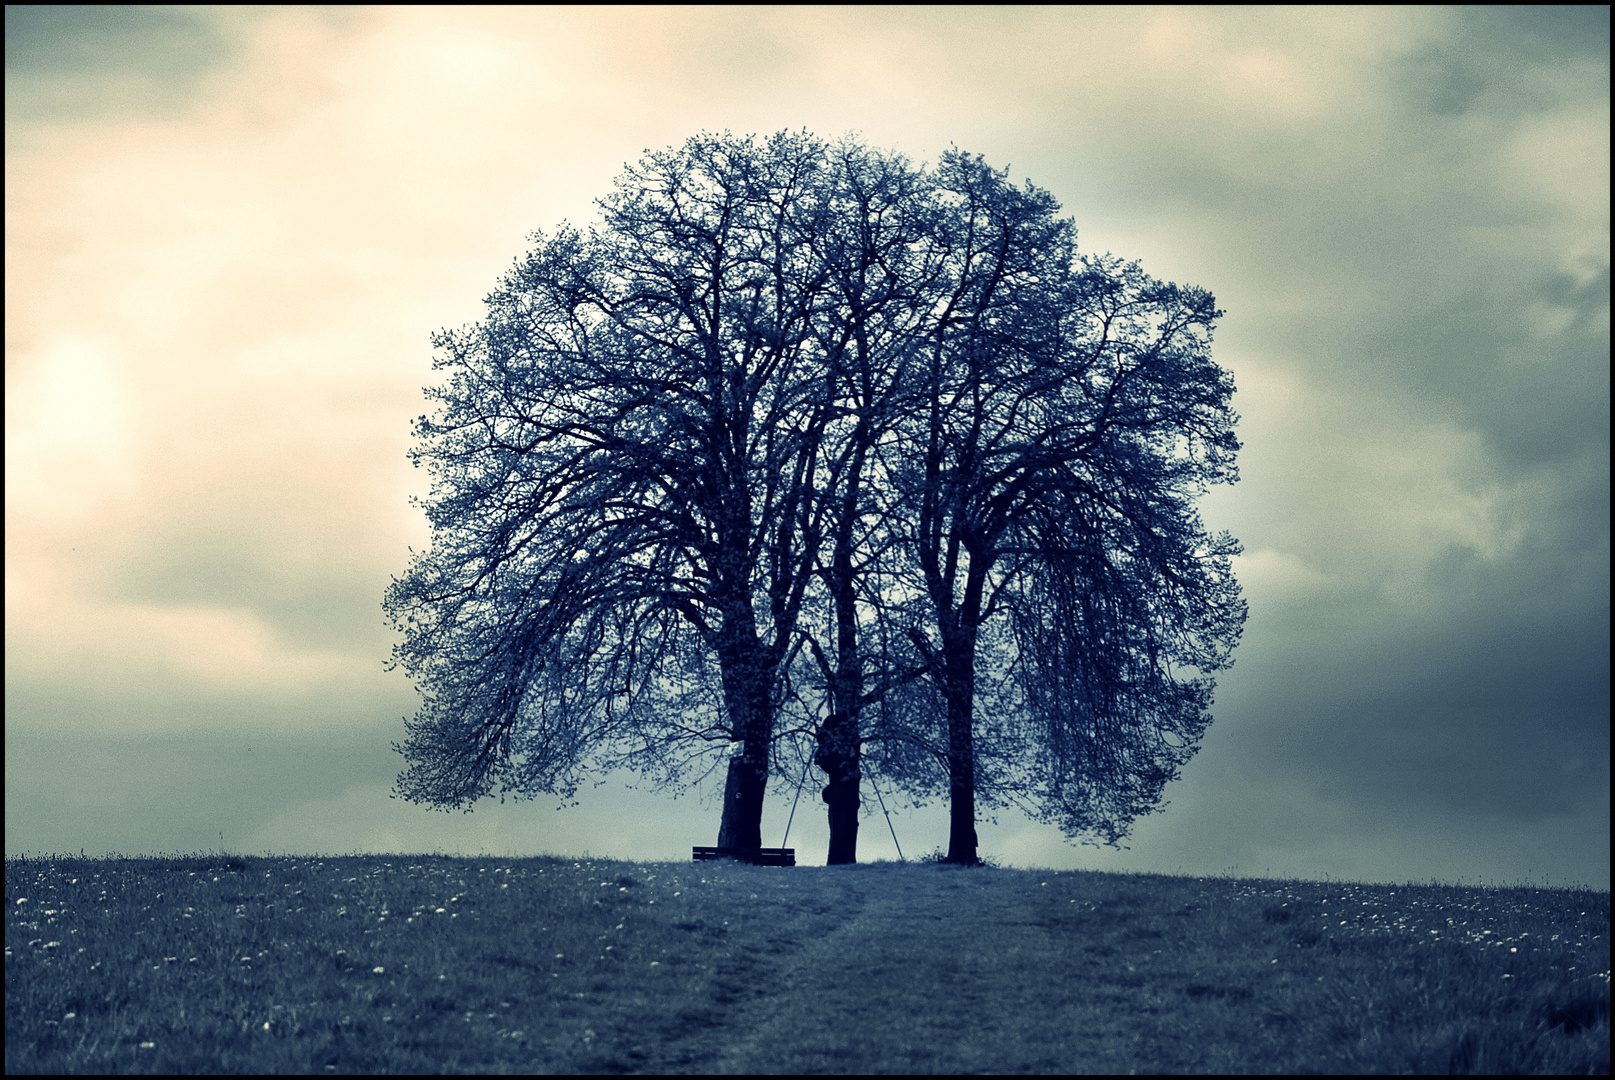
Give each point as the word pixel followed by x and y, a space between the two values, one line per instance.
pixel 806 765
pixel 888 821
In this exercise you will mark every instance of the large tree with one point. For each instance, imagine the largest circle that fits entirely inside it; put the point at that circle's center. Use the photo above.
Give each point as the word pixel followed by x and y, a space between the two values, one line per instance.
pixel 803 427
pixel 1072 413
pixel 623 466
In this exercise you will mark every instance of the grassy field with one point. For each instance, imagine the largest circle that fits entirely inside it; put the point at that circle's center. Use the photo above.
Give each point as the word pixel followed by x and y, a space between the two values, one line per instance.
pixel 428 964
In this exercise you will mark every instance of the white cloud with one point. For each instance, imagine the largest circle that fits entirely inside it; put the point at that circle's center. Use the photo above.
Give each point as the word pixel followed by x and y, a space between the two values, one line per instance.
pixel 1272 574
pixel 113 649
pixel 72 419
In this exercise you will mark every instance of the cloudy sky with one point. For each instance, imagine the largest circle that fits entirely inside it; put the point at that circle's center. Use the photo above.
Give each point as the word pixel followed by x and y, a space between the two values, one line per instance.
pixel 229 233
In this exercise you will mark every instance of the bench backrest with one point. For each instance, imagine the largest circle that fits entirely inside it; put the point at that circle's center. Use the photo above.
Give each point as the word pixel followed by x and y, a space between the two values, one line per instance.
pixel 757 856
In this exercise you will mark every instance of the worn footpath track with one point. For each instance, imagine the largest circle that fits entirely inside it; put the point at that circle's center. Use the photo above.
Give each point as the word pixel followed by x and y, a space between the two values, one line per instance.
pixel 957 971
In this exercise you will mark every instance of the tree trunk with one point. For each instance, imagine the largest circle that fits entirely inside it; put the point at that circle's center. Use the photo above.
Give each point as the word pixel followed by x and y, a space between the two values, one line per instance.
pixel 747 691
pixel 843 800
pixel 837 754
pixel 742 822
pixel 961 770
pixel 839 744
pixel 959 687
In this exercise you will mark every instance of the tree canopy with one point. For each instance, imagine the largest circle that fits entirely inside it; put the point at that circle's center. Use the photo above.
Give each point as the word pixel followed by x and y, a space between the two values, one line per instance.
pixel 805 442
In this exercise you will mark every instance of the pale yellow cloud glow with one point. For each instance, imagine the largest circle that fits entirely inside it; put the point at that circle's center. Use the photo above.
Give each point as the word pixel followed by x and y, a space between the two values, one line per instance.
pixel 208 650
pixel 221 315
pixel 72 425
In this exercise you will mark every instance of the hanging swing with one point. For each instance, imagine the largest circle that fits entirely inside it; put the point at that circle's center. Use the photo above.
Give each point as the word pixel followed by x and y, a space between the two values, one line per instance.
pixel 782 855
pixel 872 785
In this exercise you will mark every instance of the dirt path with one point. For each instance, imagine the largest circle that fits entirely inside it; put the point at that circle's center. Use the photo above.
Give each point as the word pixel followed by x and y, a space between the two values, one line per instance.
pixel 936 985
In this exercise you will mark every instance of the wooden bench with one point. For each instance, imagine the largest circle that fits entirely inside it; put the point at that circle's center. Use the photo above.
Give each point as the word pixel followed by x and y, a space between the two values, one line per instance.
pixel 767 856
